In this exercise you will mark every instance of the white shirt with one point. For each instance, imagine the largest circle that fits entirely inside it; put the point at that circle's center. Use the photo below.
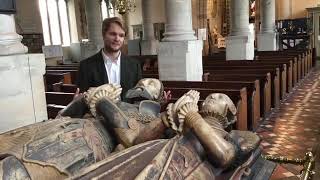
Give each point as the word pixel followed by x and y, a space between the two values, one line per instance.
pixel 112 68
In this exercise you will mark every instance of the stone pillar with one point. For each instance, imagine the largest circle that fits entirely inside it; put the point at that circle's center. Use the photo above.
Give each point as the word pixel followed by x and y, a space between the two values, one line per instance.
pixel 129 27
pixel 149 45
pixel 180 53
pixel 94 22
pixel 133 44
pixel 73 9
pixel 179 21
pixel 10 41
pixel 22 99
pixel 314 14
pixel 267 38
pixel 240 42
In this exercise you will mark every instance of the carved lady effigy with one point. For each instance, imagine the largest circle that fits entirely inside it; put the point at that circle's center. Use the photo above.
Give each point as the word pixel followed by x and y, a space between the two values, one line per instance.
pixel 132 141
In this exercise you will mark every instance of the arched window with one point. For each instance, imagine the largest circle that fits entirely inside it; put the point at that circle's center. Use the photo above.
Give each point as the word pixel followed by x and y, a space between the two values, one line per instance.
pixel 55 24
pixel 107 9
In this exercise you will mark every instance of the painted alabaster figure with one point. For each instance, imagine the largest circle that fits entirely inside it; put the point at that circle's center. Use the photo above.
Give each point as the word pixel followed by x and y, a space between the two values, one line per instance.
pixel 201 144
pixel 131 124
pixel 59 148
pixel 64 147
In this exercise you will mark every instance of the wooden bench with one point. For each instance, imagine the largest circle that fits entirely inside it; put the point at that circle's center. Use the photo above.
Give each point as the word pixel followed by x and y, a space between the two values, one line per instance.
pixel 62 68
pixel 284 65
pixel 306 54
pixel 61 87
pixel 296 67
pixel 264 79
pixel 59 98
pixel 57 101
pixel 53 110
pixel 256 68
pixel 265 87
pixel 300 60
pixel 275 77
pixel 52 78
pixel 74 73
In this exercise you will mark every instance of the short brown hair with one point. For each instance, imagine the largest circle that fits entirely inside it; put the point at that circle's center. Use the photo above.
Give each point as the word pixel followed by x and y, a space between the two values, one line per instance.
pixel 108 21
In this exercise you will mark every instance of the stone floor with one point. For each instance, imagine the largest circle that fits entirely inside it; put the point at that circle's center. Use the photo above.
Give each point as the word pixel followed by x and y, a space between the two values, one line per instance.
pixel 293 129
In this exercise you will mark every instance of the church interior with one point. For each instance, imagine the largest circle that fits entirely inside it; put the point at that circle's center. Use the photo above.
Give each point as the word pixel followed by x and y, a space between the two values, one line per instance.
pixel 262 54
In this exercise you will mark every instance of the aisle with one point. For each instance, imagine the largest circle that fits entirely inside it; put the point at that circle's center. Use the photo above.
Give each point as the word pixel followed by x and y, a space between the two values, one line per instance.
pixel 294 128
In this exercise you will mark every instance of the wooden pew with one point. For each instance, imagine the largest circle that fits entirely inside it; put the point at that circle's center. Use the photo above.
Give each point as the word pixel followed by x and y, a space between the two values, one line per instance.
pixel 299 56
pixel 147 75
pixel 306 54
pixel 53 110
pixel 253 96
pixel 275 77
pixel 57 101
pixel 239 98
pixel 62 68
pixel 51 78
pixel 314 57
pixel 296 67
pixel 268 55
pixel 74 73
pixel 62 98
pixel 265 87
pixel 59 98
pixel 67 88
pixel 284 65
pixel 271 68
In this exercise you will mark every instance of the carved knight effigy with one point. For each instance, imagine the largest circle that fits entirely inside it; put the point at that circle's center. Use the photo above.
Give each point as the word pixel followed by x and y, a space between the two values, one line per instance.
pixel 134 141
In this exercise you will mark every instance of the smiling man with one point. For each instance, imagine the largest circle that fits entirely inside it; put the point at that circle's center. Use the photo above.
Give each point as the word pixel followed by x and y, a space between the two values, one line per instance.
pixel 109 65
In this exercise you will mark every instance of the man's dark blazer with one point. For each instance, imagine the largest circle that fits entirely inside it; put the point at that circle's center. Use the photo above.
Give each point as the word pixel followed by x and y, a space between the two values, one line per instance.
pixel 92 73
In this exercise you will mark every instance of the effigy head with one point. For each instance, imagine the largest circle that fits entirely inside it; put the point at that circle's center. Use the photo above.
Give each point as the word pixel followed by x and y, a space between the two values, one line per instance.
pixel 94 94
pixel 147 88
pixel 221 107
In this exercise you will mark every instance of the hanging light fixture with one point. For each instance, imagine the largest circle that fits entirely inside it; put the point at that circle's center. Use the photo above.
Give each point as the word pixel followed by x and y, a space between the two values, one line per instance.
pixel 124 6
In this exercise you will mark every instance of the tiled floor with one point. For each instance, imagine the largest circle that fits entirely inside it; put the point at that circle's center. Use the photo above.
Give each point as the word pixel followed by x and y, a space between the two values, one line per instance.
pixel 294 129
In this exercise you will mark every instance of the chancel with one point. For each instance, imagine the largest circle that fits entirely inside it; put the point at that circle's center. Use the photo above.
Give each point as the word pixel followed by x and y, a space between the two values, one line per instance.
pixel 229 89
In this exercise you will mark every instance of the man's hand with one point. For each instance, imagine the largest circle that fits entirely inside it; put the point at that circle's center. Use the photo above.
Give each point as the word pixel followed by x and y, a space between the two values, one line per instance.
pixel 167 96
pixel 77 94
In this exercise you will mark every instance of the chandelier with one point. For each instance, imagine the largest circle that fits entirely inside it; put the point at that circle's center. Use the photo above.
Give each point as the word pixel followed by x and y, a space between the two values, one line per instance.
pixel 123 6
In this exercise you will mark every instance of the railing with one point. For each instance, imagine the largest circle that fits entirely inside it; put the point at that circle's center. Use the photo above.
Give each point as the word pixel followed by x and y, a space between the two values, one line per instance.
pixel 294 33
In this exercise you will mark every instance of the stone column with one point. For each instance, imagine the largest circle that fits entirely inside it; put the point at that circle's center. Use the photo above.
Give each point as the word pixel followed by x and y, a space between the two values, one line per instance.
pixel 133 44
pixel 78 50
pixel 267 38
pixel 129 27
pixel 10 41
pixel 74 35
pixel 240 42
pixel 179 21
pixel 180 53
pixel 314 14
pixel 94 22
pixel 22 99
pixel 149 45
